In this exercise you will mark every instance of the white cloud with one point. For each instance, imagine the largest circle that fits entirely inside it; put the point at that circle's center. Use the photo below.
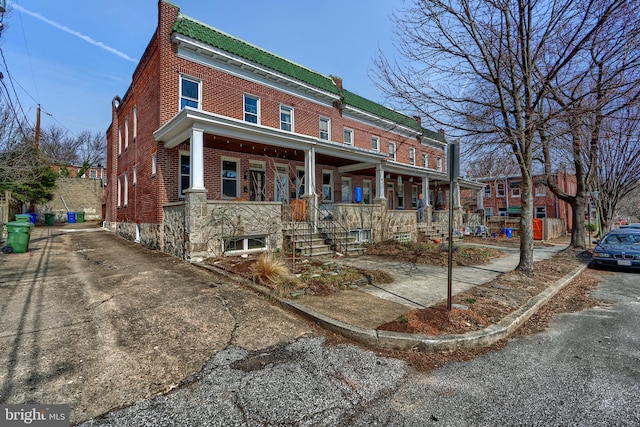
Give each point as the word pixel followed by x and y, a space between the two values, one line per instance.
pixel 73 32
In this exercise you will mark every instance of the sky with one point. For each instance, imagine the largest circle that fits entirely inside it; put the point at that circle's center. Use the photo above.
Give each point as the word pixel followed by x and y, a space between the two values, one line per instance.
pixel 72 57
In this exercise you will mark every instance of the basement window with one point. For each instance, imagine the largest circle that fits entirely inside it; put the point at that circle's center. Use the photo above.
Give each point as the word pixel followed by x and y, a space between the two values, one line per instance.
pixel 361 235
pixel 245 244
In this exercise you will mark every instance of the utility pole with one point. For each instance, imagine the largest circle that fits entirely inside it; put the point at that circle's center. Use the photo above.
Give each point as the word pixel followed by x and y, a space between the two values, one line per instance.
pixel 37 136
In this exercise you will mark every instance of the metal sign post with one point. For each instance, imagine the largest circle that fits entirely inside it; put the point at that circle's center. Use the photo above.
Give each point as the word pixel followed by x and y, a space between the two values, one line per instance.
pixel 453 163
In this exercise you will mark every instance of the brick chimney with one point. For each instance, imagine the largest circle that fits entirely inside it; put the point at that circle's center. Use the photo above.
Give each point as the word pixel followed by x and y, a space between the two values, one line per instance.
pixel 337 81
pixel 418 119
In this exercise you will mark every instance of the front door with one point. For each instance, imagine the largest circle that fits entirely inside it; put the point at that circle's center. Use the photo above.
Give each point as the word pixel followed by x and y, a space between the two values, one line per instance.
pixel 257 186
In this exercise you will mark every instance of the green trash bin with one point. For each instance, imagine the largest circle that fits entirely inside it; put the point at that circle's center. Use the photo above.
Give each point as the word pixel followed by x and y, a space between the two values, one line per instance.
pixel 49 218
pixel 23 218
pixel 80 216
pixel 18 234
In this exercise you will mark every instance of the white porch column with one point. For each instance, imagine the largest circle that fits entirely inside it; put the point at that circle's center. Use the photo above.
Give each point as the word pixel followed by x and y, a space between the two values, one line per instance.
pixel 456 195
pixel 481 199
pixel 196 159
pixel 380 183
pixel 425 191
pixel 310 171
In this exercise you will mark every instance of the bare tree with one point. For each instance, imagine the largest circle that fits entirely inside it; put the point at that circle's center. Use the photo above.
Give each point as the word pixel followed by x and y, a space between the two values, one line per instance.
pixel 618 175
pixel 484 67
pixel 584 112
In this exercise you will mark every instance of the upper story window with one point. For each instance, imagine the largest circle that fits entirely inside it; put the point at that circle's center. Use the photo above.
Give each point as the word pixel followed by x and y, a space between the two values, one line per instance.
pixel 348 136
pixel 286 118
pixel 392 151
pixel 325 128
pixel 412 156
pixel 425 160
pixel 126 133
pixel 500 189
pixel 93 174
pixel 439 164
pixel 515 189
pixel 487 191
pixel 375 143
pixel 189 92
pixel 135 122
pixel 119 140
pixel 251 109
pixel 541 189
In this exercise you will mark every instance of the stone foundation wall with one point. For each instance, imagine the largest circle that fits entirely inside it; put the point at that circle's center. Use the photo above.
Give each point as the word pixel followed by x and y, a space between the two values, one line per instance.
pixel 173 230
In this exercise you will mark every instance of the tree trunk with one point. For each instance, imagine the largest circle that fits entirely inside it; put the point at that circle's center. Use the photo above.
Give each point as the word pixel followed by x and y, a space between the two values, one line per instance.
pixel 526 227
pixel 578 231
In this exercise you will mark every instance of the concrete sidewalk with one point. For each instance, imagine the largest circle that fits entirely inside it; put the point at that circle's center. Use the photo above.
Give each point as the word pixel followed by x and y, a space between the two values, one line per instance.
pixel 357 313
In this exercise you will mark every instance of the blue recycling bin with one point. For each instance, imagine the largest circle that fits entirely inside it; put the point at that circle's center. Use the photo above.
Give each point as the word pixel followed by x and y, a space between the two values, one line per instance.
pixel 34 217
pixel 508 232
pixel 358 195
pixel 71 217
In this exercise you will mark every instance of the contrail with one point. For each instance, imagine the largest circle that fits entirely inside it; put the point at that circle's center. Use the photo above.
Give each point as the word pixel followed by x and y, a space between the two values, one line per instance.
pixel 73 33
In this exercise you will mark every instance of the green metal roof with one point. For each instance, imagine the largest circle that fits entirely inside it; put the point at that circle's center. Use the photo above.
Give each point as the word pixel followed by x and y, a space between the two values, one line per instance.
pixel 206 34
pixel 221 40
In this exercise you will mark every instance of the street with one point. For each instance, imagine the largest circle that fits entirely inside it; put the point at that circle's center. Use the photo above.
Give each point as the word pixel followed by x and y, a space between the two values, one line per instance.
pixel 91 320
pixel 583 371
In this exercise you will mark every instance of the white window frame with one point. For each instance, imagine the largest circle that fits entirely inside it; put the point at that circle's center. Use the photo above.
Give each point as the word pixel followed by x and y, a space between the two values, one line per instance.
pixel 345 198
pixel 501 191
pixel 392 151
pixel 126 133
pixel 487 191
pixel 154 164
pixel 119 140
pixel 119 191
pixel 245 244
pixel 515 191
pixel 366 191
pixel 281 183
pixel 182 154
pixel 361 235
pixel 327 186
pixel 327 132
pixel 488 211
pixel 412 156
pixel 135 123
pixel 439 164
pixel 223 178
pixel 125 201
pixel 540 210
pixel 185 99
pixel 541 190
pixel 347 135
pixel 400 193
pixel 414 197
pixel 375 143
pixel 425 160
pixel 251 114
pixel 93 174
pixel 286 111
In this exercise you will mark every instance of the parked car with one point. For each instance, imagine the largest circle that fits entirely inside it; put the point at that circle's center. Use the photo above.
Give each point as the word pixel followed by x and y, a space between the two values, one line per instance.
pixel 632 225
pixel 618 248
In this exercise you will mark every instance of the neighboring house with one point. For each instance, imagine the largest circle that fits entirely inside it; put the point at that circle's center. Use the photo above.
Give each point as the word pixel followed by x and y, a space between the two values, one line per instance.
pixel 219 146
pixel 92 173
pixel 502 197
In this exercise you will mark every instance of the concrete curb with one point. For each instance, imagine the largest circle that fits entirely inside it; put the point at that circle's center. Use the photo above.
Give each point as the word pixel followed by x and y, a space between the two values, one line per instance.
pixel 417 342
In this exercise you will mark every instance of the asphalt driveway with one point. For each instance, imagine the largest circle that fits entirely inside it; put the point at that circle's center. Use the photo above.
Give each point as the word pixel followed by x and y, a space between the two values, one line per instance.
pixel 90 319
